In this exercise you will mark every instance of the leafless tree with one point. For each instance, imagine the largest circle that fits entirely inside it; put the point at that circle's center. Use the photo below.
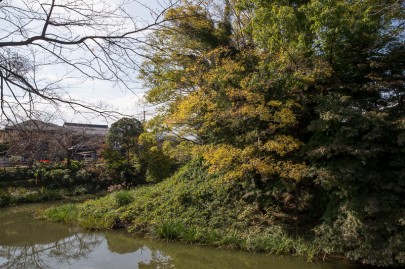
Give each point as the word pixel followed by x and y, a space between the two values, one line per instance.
pixel 32 139
pixel 48 46
pixel 37 140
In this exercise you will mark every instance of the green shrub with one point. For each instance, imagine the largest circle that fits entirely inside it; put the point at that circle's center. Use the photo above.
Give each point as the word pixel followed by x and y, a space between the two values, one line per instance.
pixel 170 230
pixel 123 198
pixel 16 173
pixel 50 195
pixel 61 177
pixel 64 213
pixel 5 198
pixel 79 190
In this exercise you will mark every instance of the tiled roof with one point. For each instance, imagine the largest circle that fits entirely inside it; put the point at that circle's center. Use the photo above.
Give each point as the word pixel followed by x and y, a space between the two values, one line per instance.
pixel 32 125
pixel 82 125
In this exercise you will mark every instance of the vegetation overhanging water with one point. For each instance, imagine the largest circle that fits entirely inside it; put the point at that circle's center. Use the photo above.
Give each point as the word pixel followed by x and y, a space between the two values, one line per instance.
pixel 26 242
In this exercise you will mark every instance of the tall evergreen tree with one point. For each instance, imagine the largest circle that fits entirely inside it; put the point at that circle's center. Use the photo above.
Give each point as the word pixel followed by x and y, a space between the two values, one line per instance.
pixel 346 57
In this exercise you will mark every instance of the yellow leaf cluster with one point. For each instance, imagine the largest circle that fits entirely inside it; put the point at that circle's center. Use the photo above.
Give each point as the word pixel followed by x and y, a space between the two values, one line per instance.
pixel 294 171
pixel 282 144
pixel 221 157
pixel 238 164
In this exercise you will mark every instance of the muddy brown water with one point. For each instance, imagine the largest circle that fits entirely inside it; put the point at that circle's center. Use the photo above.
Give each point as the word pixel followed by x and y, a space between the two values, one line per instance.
pixel 29 243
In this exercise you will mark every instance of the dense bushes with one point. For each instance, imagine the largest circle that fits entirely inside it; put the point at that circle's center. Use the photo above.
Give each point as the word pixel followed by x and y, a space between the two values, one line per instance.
pixel 43 181
pixel 49 181
pixel 141 159
pixel 62 175
pixel 8 174
pixel 10 196
pixel 359 165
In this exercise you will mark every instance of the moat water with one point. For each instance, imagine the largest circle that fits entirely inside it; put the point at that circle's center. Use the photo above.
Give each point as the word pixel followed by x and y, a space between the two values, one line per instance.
pixel 26 242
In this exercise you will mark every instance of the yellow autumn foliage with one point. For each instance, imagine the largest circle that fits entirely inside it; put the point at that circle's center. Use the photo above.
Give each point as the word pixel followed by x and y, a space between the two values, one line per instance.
pixel 282 144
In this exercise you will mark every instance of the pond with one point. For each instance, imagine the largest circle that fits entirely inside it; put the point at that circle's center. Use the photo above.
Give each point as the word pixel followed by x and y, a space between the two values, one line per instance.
pixel 29 243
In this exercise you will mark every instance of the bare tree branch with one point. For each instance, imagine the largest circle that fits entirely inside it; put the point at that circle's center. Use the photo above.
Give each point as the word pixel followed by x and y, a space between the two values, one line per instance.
pixel 46 43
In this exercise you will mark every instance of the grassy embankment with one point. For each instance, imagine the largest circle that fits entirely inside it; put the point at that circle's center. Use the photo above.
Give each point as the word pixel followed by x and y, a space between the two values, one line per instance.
pixel 192 206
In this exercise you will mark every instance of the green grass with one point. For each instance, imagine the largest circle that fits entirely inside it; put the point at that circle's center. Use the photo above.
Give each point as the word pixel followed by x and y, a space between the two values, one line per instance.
pixel 192 206
pixel 66 213
pixel 123 198
pixel 170 230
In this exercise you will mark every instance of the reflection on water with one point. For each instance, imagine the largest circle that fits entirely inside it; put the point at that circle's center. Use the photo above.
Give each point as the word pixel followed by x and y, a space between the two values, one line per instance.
pixel 29 243
pixel 58 253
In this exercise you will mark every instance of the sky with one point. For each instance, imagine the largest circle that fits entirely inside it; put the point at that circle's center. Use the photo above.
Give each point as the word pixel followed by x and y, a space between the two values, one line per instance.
pixel 128 102
pixel 112 97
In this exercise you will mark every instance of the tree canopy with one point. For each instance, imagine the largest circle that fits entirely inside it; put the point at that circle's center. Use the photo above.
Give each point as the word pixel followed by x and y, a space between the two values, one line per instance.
pixel 122 151
pixel 299 99
pixel 124 133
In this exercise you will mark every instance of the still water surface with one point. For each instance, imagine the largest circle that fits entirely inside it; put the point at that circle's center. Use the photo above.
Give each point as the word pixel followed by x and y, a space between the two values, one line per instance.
pixel 29 243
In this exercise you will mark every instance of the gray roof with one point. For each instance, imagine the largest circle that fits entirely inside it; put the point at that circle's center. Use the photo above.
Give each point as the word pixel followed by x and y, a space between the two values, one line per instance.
pixel 82 125
pixel 33 125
